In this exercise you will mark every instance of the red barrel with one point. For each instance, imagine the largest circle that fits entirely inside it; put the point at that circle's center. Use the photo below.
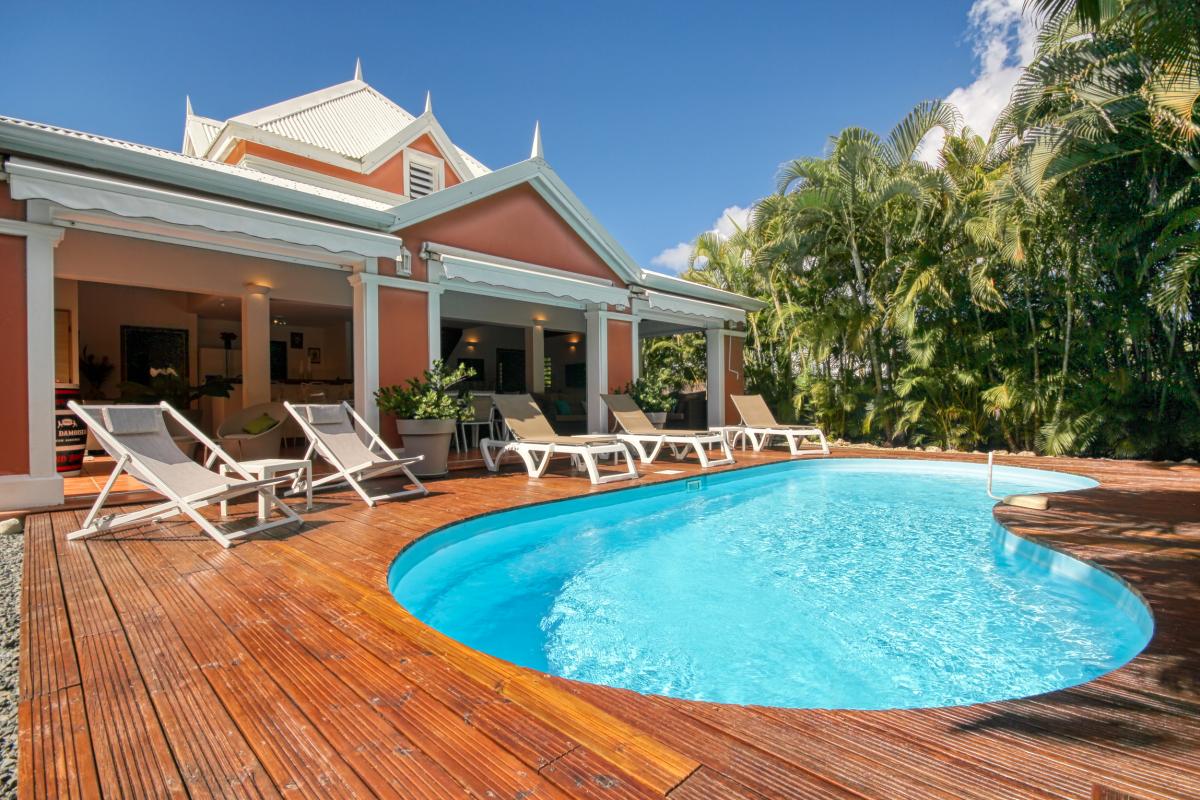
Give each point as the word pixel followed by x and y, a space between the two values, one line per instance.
pixel 70 434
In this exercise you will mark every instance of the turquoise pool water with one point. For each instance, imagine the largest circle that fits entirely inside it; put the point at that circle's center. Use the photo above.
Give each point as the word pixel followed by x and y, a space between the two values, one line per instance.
pixel 838 583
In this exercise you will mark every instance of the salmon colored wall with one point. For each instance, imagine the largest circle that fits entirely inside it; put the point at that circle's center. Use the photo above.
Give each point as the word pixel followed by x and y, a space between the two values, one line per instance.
pixel 516 223
pixel 14 401
pixel 620 354
pixel 734 384
pixel 388 176
pixel 9 208
pixel 403 343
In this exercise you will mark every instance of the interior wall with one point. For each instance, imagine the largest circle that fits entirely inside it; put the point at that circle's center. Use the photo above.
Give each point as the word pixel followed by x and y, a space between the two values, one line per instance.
pixel 104 308
pixel 330 339
pixel 561 350
pixel 481 342
pixel 105 258
pixel 66 298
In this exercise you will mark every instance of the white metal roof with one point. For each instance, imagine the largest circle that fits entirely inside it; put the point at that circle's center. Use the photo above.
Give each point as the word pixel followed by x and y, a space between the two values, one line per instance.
pixel 351 119
pixel 215 166
pixel 199 132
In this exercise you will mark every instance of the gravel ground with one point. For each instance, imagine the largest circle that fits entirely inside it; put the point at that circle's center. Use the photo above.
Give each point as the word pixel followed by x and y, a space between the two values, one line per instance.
pixel 12 550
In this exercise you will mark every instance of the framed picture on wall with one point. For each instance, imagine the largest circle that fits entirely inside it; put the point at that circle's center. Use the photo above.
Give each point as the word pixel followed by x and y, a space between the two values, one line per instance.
pixel 297 340
pixel 314 355
pixel 143 349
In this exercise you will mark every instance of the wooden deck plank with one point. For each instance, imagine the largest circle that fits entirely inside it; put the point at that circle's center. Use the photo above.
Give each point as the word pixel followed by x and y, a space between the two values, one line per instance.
pixel 213 757
pixel 293 751
pixel 155 663
pixel 475 761
pixel 131 751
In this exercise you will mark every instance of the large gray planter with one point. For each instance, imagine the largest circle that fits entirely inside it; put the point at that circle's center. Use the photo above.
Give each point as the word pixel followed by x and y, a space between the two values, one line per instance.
pixel 429 438
pixel 657 418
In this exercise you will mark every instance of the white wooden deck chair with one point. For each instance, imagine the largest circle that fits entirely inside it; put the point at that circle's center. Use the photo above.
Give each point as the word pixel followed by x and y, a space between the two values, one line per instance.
pixel 333 433
pixel 533 434
pixel 639 433
pixel 137 437
pixel 760 425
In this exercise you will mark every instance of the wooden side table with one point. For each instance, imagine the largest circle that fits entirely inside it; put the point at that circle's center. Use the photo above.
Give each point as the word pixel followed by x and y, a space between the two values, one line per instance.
pixel 267 468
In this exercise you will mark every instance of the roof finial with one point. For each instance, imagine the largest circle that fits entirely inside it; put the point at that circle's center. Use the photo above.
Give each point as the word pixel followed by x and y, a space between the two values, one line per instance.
pixel 428 102
pixel 358 69
pixel 187 100
pixel 536 150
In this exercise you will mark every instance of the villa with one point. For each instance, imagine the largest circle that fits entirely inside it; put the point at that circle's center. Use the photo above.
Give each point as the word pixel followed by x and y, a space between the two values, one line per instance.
pixel 333 237
pixel 835 621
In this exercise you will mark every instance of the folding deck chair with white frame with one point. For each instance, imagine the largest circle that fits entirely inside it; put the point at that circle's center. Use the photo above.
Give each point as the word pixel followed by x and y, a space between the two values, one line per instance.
pixel 639 432
pixel 532 434
pixel 333 433
pixel 760 425
pixel 137 437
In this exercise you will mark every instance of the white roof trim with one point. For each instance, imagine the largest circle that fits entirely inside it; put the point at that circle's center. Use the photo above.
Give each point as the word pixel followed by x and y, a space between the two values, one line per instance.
pixel 537 173
pixel 444 250
pixel 87 191
pixel 424 124
pixel 670 283
pixel 529 281
pixel 546 182
pixel 165 166
pixel 674 304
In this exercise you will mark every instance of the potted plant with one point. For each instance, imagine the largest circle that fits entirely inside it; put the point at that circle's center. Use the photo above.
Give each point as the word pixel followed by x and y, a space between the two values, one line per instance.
pixel 652 397
pixel 427 410
pixel 93 372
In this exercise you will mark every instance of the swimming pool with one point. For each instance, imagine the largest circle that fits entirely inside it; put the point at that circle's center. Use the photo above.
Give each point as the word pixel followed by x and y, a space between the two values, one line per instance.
pixel 834 583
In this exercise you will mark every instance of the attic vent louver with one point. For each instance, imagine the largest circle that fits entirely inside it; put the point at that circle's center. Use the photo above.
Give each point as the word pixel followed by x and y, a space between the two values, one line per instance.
pixel 421 180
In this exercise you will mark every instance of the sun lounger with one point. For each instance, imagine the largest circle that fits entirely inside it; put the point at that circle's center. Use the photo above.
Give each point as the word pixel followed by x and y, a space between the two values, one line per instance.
pixel 533 434
pixel 760 425
pixel 336 434
pixel 639 433
pixel 137 437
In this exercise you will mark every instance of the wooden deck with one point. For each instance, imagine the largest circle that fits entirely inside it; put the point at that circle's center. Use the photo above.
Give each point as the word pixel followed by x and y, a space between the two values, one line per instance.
pixel 155 664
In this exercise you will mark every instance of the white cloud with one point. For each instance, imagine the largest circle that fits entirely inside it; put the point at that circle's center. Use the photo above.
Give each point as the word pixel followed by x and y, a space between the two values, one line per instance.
pixel 675 259
pixel 1004 40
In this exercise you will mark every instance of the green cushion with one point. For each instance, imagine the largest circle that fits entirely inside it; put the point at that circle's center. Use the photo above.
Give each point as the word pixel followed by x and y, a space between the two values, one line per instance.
pixel 562 406
pixel 260 424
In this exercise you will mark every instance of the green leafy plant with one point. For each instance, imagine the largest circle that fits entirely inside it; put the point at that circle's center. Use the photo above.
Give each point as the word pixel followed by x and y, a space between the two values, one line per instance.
pixel 651 393
pixel 431 396
pixel 93 372
pixel 167 384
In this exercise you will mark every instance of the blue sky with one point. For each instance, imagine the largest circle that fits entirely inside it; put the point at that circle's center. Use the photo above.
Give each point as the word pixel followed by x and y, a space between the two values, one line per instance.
pixel 658 116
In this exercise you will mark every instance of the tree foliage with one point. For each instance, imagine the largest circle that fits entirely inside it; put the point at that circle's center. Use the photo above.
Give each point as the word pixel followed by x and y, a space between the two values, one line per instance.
pixel 1034 290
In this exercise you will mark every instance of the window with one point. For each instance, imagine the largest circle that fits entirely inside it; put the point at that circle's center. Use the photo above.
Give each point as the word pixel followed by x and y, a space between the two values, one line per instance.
pixel 423 174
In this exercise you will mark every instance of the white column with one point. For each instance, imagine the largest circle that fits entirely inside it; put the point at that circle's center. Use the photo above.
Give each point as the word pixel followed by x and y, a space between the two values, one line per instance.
pixel 715 342
pixel 256 345
pixel 597 369
pixel 39 321
pixel 434 317
pixel 42 486
pixel 535 350
pixel 366 346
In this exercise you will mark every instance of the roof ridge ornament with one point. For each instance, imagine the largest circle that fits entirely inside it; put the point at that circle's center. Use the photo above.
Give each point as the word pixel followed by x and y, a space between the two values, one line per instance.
pixel 536 150
pixel 428 101
pixel 358 69
pixel 187 101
